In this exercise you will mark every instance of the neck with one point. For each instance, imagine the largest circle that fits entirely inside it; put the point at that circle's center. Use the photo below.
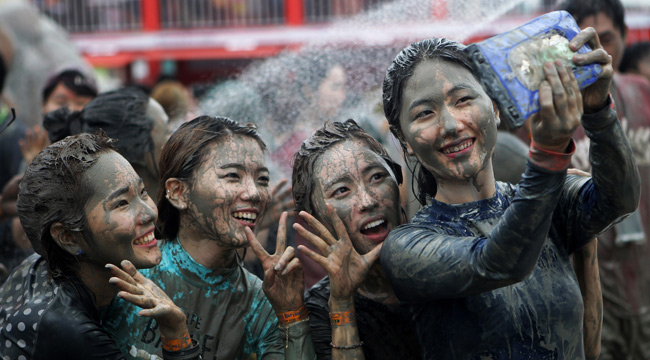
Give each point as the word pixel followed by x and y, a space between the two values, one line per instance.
pixel 205 251
pixel 480 187
pixel 95 277
pixel 376 286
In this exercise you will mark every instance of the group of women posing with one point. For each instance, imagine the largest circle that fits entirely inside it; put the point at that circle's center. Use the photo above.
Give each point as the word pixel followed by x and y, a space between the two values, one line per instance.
pixel 482 271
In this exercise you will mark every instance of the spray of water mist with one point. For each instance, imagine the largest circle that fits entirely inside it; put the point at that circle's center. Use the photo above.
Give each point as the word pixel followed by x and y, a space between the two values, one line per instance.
pixel 281 94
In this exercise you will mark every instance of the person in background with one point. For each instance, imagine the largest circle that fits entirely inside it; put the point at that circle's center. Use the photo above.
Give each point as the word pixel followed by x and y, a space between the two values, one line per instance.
pixel 176 100
pixel 623 250
pixel 636 59
pixel 85 206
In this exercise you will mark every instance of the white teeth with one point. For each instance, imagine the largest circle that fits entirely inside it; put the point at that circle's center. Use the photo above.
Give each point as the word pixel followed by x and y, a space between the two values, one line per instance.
pixel 373 224
pixel 245 215
pixel 145 239
pixel 462 146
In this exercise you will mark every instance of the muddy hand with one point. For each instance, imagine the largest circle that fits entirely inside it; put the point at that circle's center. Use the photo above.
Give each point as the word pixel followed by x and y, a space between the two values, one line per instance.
pixel 595 95
pixel 560 112
pixel 142 292
pixel 283 276
pixel 346 268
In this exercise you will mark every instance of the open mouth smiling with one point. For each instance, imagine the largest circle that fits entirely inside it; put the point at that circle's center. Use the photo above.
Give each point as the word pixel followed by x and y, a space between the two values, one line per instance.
pixel 376 230
pixel 246 217
pixel 147 240
pixel 456 149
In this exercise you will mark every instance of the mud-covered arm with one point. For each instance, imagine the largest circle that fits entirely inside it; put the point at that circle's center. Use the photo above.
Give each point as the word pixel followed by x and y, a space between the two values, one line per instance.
pixel 588 207
pixel 425 263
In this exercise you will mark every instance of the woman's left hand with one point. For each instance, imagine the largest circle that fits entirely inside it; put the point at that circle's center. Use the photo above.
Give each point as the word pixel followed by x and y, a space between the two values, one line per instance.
pixel 595 95
pixel 284 282
pixel 142 292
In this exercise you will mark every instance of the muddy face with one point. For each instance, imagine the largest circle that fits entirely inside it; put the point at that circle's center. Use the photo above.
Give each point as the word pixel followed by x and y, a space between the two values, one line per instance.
pixel 229 191
pixel 120 215
pixel 448 121
pixel 362 189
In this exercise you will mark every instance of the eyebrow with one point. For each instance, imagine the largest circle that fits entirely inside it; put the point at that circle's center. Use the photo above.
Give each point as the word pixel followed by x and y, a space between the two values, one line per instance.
pixel 456 88
pixel 241 167
pixel 120 191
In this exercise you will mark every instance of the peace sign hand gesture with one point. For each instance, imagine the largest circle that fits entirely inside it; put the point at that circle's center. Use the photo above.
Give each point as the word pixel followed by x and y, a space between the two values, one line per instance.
pixel 284 282
pixel 347 269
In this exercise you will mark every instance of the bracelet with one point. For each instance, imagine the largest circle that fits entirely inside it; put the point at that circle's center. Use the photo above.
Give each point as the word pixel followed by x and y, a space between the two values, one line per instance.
pixel 177 344
pixel 346 347
pixel 289 317
pixel 342 318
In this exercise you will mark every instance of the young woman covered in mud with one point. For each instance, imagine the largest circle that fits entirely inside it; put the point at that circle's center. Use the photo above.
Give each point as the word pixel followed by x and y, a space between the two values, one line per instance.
pixel 485 265
pixel 353 311
pixel 214 190
pixel 88 209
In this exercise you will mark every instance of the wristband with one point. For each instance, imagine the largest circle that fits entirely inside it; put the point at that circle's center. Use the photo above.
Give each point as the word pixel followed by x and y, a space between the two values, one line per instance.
pixel 551 160
pixel 346 347
pixel 342 318
pixel 177 344
pixel 289 317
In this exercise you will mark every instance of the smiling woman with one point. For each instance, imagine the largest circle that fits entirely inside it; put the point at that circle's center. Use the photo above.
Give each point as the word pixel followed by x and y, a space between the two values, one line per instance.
pixel 86 207
pixel 215 190
pixel 484 266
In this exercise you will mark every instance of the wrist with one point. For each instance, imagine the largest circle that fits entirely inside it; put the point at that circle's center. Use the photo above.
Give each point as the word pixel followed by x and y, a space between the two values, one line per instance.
pixel 292 316
pixel 600 105
pixel 341 304
pixel 176 344
pixel 549 159
pixel 343 318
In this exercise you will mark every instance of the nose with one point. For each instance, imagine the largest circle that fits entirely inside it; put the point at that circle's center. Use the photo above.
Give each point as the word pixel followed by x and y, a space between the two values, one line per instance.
pixel 366 200
pixel 450 125
pixel 250 192
pixel 147 213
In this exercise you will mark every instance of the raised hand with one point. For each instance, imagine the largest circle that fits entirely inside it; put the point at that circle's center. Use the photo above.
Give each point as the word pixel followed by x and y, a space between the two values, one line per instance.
pixel 284 282
pixel 142 292
pixel 594 96
pixel 561 108
pixel 347 269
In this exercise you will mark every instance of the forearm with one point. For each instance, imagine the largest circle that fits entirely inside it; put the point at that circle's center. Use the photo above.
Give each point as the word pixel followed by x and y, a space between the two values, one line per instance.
pixel 586 268
pixel 346 343
pixel 614 172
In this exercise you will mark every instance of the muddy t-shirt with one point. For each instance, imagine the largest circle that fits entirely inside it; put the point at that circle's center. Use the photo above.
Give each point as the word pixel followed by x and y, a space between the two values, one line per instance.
pixel 227 312
pixel 491 279
pixel 386 332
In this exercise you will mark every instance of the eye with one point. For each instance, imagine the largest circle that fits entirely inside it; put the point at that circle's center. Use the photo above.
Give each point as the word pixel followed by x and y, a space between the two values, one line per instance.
pixel 264 180
pixel 464 99
pixel 144 192
pixel 121 204
pixel 378 176
pixel 232 175
pixel 423 114
pixel 340 191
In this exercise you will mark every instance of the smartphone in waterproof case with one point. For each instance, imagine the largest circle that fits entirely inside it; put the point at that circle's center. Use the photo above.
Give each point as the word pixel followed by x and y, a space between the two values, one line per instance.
pixel 509 65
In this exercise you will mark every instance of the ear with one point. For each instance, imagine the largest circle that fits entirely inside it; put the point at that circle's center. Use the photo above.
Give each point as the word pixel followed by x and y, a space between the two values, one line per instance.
pixel 176 191
pixel 65 239
pixel 495 109
pixel 409 150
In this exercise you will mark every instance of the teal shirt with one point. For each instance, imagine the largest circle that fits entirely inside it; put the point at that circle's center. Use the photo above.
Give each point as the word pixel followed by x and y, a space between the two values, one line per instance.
pixel 227 311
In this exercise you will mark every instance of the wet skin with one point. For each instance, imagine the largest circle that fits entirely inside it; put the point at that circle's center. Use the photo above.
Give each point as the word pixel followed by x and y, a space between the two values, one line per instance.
pixel 361 188
pixel 232 181
pixel 450 124
pixel 120 215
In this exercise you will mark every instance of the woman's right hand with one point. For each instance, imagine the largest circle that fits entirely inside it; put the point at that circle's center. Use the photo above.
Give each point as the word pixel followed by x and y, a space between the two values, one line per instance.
pixel 561 108
pixel 142 292
pixel 346 268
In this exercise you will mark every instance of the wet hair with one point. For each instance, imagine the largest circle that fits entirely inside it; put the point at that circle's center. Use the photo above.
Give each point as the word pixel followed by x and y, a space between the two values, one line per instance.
pixel 74 80
pixel 397 74
pixel 580 9
pixel 122 114
pixel 52 191
pixel 302 179
pixel 184 153
pixel 634 54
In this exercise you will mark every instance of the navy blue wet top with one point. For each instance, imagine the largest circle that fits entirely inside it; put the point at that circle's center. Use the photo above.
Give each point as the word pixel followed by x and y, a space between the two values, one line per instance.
pixel 491 279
